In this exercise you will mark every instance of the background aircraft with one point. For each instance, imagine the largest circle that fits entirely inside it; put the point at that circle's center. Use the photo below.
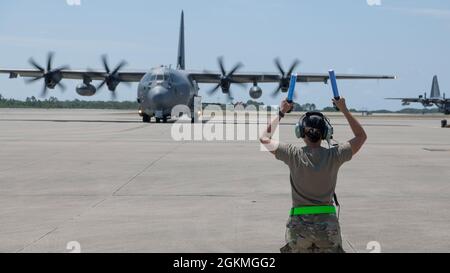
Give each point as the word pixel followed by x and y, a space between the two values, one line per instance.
pixel 162 88
pixel 435 99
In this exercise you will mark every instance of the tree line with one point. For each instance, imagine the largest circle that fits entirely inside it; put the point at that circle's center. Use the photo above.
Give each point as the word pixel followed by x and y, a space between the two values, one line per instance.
pixel 54 103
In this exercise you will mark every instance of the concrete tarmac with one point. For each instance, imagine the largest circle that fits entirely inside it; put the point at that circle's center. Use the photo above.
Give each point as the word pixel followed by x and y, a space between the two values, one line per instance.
pixel 113 184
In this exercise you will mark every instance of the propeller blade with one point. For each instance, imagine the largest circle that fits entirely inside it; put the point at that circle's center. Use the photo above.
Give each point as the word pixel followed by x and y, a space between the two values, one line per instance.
pixel 230 96
pixel 34 79
pixel 236 68
pixel 293 66
pixel 279 66
pixel 102 84
pixel 119 67
pixel 64 67
pixel 222 66
pixel 113 95
pixel 36 65
pixel 44 91
pixel 62 86
pixel 105 63
pixel 212 91
pixel 50 61
pixel 275 93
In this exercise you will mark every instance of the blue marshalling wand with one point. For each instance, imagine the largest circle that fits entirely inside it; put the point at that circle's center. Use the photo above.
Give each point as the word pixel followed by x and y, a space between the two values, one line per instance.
pixel 334 86
pixel 290 97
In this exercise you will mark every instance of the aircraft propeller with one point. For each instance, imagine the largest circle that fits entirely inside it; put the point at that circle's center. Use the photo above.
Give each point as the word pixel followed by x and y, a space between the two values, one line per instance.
pixel 112 78
pixel 226 79
pixel 284 77
pixel 52 77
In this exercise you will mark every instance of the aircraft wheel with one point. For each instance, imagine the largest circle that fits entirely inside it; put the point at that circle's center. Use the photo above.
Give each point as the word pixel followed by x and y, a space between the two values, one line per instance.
pixel 164 119
pixel 158 120
pixel 146 118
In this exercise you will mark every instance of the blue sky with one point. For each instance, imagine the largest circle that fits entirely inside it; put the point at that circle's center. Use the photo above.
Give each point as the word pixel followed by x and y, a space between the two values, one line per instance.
pixel 407 38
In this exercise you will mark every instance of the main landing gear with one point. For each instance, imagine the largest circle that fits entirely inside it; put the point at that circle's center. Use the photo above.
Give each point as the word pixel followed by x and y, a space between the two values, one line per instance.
pixel 147 119
pixel 164 120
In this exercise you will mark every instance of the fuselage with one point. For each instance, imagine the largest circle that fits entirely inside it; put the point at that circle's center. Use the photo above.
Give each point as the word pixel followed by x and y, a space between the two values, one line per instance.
pixel 163 88
pixel 441 103
pixel 444 107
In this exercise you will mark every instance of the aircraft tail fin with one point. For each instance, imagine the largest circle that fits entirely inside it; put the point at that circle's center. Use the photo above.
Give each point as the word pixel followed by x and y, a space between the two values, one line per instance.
pixel 181 57
pixel 435 92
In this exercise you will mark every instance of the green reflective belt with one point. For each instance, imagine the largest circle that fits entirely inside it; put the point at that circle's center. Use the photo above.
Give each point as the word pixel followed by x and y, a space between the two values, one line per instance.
pixel 313 210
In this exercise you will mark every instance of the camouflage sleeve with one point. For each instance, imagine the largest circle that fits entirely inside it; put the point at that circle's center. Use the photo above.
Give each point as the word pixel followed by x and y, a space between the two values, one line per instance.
pixel 344 153
pixel 285 153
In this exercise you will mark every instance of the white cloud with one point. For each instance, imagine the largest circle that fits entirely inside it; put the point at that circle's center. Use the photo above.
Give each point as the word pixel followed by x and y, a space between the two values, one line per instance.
pixel 73 2
pixel 374 2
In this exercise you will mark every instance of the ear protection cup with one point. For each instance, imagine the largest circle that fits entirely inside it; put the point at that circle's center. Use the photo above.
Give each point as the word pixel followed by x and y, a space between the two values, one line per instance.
pixel 299 131
pixel 327 130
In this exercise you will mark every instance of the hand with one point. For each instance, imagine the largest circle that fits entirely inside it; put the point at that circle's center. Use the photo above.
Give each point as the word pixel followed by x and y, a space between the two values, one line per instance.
pixel 341 104
pixel 285 106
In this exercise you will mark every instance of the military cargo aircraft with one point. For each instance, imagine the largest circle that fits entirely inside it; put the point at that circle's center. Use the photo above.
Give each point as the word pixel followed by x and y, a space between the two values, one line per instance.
pixel 435 99
pixel 162 88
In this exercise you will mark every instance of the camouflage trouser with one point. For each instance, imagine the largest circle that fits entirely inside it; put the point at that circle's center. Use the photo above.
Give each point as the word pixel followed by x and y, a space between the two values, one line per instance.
pixel 313 234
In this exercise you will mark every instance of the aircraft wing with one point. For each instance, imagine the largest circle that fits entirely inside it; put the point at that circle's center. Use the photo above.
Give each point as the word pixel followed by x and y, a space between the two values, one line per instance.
pixel 440 100
pixel 74 74
pixel 407 99
pixel 212 77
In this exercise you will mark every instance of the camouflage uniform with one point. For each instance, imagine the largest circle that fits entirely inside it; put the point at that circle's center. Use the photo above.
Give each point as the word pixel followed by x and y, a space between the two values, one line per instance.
pixel 318 233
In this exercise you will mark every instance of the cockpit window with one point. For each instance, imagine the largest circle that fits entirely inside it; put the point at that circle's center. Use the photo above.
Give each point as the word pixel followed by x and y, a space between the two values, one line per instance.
pixel 153 78
pixel 160 77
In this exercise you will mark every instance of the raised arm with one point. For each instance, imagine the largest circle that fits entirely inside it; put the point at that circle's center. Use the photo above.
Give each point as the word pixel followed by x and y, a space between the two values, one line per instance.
pixel 360 135
pixel 266 137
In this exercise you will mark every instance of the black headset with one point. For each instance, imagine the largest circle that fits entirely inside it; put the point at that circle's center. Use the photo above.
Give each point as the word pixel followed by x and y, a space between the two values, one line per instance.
pixel 327 131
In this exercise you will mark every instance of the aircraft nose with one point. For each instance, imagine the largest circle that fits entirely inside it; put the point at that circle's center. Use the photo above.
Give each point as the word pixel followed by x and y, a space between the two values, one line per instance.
pixel 159 96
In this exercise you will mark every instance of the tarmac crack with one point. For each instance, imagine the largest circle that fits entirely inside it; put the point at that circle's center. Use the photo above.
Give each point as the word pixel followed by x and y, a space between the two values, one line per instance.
pixel 151 164
pixel 145 169
pixel 351 246
pixel 103 200
pixel 37 240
